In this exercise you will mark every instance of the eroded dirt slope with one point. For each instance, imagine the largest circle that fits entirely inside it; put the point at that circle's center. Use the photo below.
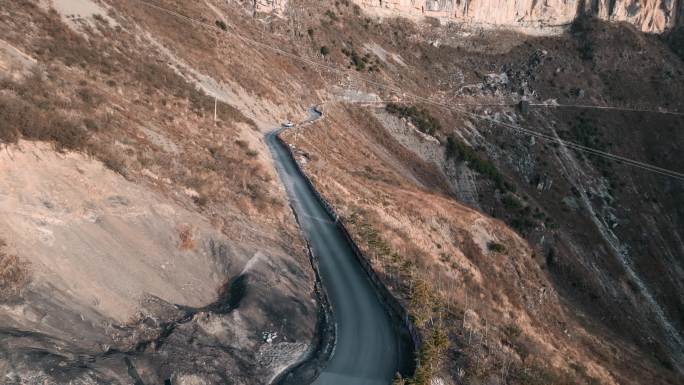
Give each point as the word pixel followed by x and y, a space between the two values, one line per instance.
pixel 142 241
pixel 541 295
pixel 583 216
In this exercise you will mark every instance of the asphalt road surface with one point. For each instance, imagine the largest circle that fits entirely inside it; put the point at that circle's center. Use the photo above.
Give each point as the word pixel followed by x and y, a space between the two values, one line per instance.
pixel 368 349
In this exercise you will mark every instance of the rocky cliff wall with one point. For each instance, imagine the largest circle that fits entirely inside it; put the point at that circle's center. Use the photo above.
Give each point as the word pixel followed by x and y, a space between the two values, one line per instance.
pixel 653 16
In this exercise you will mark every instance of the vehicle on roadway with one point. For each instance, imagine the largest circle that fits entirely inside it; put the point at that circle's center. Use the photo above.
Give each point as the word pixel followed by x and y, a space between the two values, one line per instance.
pixel 288 124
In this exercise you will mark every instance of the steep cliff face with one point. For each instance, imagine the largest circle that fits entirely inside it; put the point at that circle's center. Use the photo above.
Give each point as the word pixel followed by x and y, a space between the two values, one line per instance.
pixel 654 16
pixel 648 15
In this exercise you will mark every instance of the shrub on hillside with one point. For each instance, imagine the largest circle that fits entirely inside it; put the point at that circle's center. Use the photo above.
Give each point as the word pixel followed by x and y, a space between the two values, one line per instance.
pixel 221 24
pixel 421 302
pixel 19 118
pixel 64 44
pixel 89 97
pixel 14 275
pixel 496 247
pixel 331 15
pixel 510 202
pixel 30 110
pixel 430 356
pixel 161 77
pixel 420 117
pixel 456 149
pixel 359 62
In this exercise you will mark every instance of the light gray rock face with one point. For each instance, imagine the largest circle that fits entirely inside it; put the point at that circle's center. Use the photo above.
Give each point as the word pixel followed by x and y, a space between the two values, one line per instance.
pixel 654 16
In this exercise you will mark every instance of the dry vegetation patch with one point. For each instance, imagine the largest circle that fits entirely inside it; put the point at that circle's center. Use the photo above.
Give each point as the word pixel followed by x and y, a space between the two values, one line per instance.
pixel 31 109
pixel 14 275
pixel 100 90
pixel 186 239
pixel 483 306
pixel 88 95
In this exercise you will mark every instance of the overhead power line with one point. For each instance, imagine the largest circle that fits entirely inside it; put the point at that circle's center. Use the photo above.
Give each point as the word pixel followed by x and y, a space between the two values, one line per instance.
pixel 612 108
pixel 450 107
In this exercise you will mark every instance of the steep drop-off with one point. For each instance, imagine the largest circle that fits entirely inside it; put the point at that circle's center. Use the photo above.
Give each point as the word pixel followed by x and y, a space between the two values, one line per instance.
pixel 601 301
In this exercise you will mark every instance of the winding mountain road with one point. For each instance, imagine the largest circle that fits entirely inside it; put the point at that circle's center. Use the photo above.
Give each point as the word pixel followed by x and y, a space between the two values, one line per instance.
pixel 368 349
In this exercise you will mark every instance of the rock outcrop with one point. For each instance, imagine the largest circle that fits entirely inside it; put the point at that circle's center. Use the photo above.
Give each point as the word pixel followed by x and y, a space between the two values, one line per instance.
pixel 653 16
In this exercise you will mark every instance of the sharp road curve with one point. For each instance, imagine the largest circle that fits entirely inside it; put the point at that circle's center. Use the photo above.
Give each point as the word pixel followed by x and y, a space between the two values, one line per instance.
pixel 368 349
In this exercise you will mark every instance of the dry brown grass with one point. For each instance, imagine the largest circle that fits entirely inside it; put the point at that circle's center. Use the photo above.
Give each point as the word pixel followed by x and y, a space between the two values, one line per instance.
pixel 20 118
pixel 186 240
pixel 62 43
pixel 236 163
pixel 34 109
pixel 14 275
pixel 76 114
pixel 432 252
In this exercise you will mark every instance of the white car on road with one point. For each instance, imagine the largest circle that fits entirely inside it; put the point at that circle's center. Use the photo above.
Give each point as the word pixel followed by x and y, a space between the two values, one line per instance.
pixel 288 124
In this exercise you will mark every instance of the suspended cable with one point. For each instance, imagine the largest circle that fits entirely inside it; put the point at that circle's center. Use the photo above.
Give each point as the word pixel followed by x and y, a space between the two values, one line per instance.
pixel 450 107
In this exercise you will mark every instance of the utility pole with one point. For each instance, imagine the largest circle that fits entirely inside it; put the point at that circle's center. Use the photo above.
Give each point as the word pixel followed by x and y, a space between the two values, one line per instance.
pixel 465 312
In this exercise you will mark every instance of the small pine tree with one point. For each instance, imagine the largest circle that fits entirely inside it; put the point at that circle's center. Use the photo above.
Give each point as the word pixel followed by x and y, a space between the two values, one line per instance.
pixel 398 380
pixel 421 302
